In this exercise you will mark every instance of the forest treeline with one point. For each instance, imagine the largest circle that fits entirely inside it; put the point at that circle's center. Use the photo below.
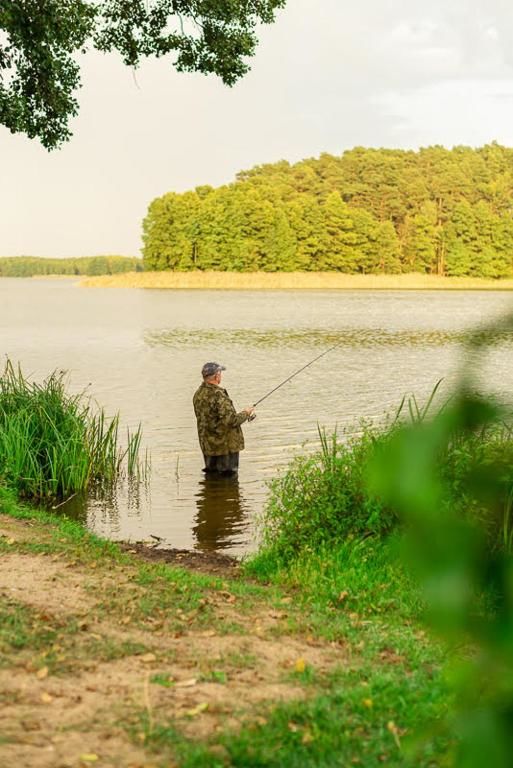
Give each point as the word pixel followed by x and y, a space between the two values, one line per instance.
pixel 437 211
pixel 29 266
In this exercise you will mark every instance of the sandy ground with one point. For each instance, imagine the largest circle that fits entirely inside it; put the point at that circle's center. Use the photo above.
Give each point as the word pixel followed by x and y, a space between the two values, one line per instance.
pixel 78 715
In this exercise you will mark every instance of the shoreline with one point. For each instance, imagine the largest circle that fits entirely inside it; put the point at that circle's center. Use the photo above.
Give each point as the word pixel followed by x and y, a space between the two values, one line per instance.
pixel 166 664
pixel 292 281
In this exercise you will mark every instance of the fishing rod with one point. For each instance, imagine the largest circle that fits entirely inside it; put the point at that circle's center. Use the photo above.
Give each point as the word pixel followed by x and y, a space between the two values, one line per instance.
pixel 293 375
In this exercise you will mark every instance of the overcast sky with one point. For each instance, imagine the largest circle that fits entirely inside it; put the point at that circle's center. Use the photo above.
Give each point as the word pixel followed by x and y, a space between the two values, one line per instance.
pixel 328 75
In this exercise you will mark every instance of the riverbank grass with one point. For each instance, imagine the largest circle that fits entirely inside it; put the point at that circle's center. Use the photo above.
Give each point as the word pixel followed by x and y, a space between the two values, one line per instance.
pixel 182 668
pixel 293 281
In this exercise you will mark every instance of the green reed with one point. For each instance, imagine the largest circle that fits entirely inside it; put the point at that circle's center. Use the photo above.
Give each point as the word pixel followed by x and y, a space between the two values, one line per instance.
pixel 323 499
pixel 53 444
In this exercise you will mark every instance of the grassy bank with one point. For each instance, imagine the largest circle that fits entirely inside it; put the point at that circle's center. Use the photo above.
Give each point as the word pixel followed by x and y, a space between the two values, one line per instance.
pixel 432 492
pixel 280 281
pixel 119 661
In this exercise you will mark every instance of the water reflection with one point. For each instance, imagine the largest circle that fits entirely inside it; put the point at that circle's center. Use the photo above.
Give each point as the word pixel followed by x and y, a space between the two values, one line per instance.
pixel 222 513
pixel 103 505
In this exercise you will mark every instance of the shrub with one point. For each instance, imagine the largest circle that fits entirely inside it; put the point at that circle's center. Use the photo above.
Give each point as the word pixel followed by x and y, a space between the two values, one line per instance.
pixel 321 499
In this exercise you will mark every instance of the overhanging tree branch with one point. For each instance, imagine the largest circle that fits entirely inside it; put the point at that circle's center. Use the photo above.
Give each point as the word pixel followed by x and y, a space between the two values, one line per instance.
pixel 40 40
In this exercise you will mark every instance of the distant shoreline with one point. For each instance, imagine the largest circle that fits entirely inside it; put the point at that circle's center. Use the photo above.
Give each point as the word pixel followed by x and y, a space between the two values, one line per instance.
pixel 293 281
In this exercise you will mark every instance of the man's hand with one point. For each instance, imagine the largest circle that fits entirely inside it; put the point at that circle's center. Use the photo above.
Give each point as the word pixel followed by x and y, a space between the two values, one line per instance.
pixel 250 411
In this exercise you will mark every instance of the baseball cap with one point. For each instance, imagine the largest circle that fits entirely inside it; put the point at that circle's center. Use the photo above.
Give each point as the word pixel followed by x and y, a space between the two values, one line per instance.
pixel 210 369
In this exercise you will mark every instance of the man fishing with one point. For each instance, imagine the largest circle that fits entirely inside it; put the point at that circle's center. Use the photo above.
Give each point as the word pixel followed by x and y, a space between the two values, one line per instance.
pixel 219 424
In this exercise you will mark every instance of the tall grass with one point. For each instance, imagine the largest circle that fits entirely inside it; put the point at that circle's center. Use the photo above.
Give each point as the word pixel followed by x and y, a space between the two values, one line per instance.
pixel 53 444
pixel 323 499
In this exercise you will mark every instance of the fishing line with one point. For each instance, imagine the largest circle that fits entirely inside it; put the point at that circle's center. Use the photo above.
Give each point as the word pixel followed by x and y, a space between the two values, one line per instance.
pixel 293 375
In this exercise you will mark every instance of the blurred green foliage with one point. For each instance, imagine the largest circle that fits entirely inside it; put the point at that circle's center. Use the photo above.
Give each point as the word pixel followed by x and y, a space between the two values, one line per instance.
pixel 466 573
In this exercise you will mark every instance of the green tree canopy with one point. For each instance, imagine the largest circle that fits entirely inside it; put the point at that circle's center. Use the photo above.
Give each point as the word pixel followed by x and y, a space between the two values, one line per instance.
pixel 438 211
pixel 39 73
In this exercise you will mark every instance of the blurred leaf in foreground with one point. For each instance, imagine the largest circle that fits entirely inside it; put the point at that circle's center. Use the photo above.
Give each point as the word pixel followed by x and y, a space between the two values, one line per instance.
pixel 462 553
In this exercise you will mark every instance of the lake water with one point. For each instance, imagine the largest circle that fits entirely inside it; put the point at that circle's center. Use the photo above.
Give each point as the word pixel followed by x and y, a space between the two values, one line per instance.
pixel 141 352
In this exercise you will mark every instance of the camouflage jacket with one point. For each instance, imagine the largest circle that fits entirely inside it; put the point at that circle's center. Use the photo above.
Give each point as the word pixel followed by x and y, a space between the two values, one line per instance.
pixel 219 423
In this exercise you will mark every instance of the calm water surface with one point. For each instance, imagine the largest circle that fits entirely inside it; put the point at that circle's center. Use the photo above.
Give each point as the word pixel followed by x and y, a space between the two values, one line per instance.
pixel 140 352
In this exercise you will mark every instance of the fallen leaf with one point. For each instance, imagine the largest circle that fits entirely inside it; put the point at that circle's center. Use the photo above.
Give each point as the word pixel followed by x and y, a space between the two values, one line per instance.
pixel 186 683
pixel 368 703
pixel 208 633
pixel 126 619
pixel 147 658
pixel 343 596
pixel 11 541
pixel 42 673
pixel 197 710
pixel 300 665
pixel 46 698
pixel 307 738
pixel 89 757
pixel 286 600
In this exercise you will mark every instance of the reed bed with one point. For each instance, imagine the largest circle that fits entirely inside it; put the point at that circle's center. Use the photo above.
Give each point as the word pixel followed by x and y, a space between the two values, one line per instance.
pixel 281 281
pixel 53 444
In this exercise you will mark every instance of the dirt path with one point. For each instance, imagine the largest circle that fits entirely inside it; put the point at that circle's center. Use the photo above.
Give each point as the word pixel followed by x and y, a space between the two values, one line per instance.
pixel 98 649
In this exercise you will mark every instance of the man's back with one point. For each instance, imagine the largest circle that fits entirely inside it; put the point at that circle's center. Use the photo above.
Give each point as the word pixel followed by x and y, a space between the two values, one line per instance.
pixel 218 422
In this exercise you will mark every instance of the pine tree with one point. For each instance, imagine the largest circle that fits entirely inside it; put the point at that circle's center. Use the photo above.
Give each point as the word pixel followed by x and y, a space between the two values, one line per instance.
pixel 461 238
pixel 388 249
pixel 280 246
pixel 306 218
pixel 170 232
pixel 342 254
pixel 419 241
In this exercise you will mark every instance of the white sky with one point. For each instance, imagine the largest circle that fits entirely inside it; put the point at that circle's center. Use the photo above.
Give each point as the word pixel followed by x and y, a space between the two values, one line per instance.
pixel 327 76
